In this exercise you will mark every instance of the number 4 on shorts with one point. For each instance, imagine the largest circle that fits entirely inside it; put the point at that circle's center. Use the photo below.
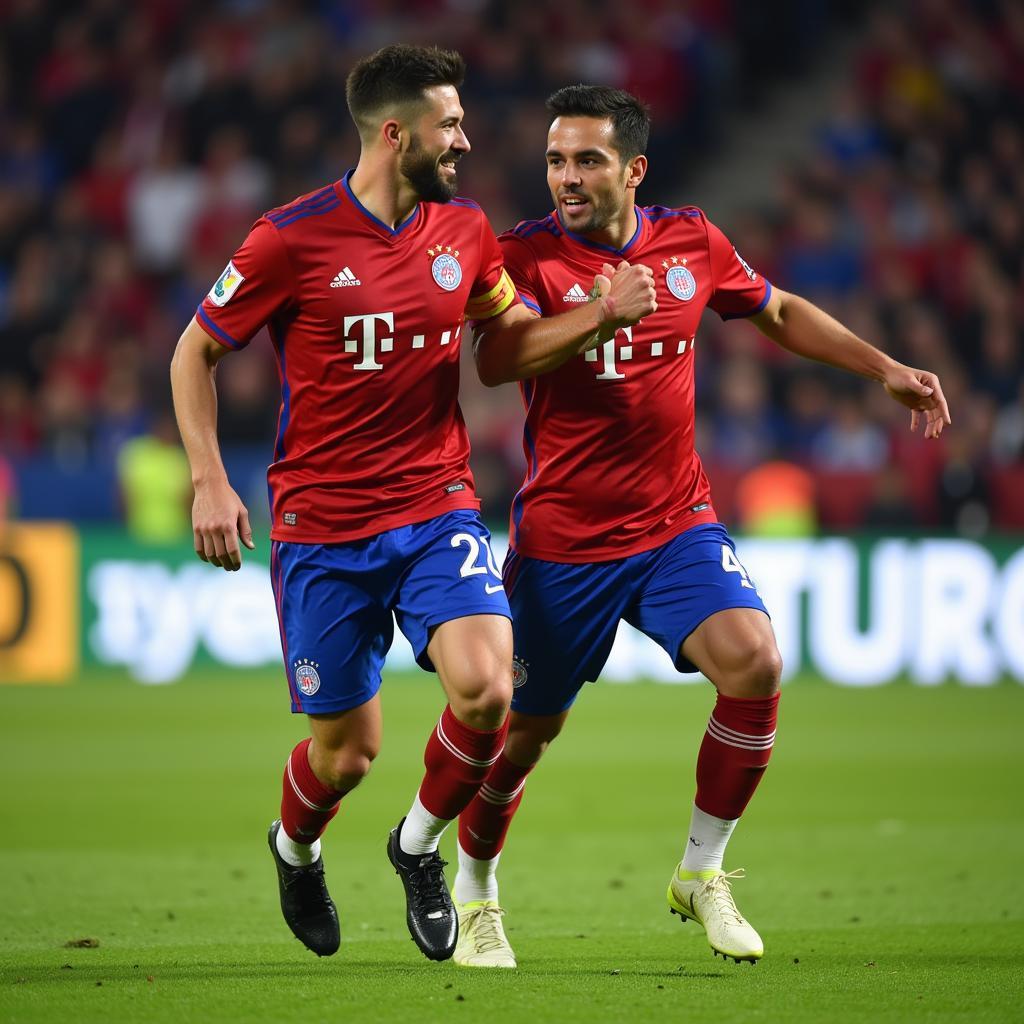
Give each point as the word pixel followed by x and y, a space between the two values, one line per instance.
pixel 730 563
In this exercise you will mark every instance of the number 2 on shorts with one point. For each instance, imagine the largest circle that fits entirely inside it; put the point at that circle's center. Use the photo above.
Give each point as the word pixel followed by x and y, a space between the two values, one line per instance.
pixel 469 566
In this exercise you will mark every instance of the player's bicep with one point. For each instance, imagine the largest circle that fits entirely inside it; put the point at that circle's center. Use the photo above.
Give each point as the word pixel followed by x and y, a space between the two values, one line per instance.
pixel 482 330
pixel 769 318
pixel 514 314
pixel 197 341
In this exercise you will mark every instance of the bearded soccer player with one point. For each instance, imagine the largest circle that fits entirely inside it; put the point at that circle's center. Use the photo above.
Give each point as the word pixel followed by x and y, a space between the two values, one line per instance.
pixel 615 521
pixel 364 286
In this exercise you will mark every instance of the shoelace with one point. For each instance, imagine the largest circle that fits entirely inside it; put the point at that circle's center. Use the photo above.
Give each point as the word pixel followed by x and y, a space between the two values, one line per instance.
pixel 307 881
pixel 428 884
pixel 483 923
pixel 719 889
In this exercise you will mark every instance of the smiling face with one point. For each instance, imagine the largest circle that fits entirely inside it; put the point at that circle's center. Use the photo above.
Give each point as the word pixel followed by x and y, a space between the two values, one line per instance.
pixel 436 143
pixel 592 187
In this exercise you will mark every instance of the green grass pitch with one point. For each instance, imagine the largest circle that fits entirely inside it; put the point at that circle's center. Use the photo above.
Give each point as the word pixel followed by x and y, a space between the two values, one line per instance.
pixel 884 855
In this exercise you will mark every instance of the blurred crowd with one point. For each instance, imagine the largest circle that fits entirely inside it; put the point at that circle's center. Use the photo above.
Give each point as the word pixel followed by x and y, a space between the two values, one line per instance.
pixel 138 142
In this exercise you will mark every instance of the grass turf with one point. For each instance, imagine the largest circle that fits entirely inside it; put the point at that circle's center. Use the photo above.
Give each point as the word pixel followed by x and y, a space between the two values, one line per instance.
pixel 884 852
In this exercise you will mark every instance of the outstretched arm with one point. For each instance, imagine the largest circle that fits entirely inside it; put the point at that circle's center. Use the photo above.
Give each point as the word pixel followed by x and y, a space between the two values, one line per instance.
pixel 801 327
pixel 518 345
pixel 219 518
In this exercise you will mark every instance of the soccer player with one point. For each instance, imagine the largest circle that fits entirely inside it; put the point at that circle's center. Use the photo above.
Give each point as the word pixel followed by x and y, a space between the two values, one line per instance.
pixel 614 519
pixel 363 286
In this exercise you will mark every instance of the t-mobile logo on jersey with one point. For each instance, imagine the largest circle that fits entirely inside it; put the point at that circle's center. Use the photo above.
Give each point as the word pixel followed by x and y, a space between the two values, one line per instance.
pixel 367 344
pixel 609 353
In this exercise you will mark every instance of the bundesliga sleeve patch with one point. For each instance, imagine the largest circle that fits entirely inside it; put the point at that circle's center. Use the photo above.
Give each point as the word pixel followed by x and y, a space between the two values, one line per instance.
pixel 226 286
pixel 497 300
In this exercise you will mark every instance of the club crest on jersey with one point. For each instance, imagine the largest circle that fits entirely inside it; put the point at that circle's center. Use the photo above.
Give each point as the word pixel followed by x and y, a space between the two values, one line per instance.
pixel 226 286
pixel 307 679
pixel 446 269
pixel 678 279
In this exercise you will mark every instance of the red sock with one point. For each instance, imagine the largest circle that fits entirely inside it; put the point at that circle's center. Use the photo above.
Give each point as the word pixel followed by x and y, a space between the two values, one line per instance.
pixel 735 753
pixel 458 758
pixel 307 804
pixel 484 824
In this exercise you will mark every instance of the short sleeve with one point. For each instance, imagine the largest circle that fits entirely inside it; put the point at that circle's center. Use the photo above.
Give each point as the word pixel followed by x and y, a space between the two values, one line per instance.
pixel 492 292
pixel 256 284
pixel 521 265
pixel 739 291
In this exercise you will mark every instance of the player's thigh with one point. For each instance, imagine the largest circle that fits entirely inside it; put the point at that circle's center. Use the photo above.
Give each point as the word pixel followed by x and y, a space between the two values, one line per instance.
pixel 690 580
pixel 564 618
pixel 736 650
pixel 448 575
pixel 335 632
pixel 473 659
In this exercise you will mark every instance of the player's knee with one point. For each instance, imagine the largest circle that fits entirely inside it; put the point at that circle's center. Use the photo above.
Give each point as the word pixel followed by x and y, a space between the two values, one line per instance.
pixel 486 709
pixel 483 704
pixel 348 767
pixel 762 671
pixel 482 693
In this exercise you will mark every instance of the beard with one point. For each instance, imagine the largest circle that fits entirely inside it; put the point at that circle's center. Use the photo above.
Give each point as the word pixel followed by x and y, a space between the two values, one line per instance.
pixel 601 214
pixel 423 173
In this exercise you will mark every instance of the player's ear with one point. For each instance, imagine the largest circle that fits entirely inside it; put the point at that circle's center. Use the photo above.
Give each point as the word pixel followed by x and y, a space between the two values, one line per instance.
pixel 391 132
pixel 636 171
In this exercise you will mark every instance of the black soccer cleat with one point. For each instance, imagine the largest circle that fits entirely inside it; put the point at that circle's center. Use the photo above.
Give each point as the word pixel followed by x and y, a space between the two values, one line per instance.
pixel 305 902
pixel 429 912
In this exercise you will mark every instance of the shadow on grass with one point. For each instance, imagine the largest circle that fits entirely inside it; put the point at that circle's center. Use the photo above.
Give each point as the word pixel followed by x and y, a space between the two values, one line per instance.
pixel 348 970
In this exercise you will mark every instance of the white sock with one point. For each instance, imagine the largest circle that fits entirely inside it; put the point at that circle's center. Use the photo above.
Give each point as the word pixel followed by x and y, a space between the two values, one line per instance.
pixel 297 854
pixel 706 843
pixel 422 831
pixel 476 879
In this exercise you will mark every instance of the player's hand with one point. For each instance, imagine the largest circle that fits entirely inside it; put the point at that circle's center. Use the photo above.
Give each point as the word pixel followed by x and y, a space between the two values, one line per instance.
pixel 627 294
pixel 921 392
pixel 219 521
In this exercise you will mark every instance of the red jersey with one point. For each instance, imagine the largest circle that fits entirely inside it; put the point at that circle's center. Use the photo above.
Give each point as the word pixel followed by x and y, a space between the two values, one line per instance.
pixel 611 467
pixel 366 322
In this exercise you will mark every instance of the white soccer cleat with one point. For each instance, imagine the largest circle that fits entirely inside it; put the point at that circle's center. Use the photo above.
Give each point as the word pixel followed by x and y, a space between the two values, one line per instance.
pixel 706 897
pixel 482 941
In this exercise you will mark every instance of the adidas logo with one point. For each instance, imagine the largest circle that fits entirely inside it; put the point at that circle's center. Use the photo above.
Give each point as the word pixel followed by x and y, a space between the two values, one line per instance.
pixel 345 279
pixel 575 294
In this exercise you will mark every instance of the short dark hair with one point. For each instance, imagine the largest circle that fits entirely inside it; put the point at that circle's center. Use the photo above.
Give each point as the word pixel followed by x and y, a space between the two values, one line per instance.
pixel 398 74
pixel 631 121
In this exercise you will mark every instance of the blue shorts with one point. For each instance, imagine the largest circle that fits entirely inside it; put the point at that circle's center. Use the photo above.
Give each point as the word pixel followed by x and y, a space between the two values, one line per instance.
pixel 335 602
pixel 564 617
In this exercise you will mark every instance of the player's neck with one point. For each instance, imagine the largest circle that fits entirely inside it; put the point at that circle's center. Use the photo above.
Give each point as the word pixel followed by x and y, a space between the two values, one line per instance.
pixel 389 199
pixel 619 232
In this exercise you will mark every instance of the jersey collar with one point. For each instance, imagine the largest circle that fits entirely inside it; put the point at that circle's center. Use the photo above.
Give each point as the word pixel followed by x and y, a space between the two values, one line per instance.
pixel 641 223
pixel 376 221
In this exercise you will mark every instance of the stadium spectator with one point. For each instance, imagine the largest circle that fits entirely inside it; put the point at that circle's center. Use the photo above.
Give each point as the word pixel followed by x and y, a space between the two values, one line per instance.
pixel 156 484
pixel 911 214
pixel 776 499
